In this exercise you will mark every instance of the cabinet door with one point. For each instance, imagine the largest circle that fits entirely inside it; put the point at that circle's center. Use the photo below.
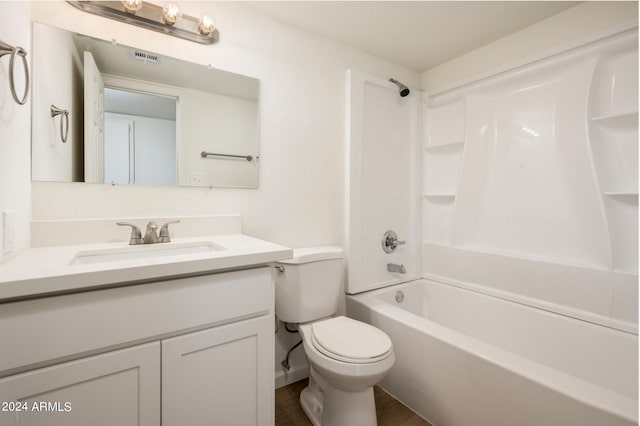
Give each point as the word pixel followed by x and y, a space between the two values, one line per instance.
pixel 117 388
pixel 220 376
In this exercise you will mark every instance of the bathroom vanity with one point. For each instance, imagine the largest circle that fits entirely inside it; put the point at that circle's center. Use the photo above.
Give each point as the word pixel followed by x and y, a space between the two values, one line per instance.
pixel 173 339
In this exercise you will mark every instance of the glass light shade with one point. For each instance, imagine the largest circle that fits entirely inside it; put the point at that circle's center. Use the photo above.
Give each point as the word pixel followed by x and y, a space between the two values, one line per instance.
pixel 132 6
pixel 206 25
pixel 171 13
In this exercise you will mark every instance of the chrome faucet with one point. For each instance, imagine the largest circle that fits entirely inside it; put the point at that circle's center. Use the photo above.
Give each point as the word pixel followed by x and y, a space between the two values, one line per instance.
pixel 394 267
pixel 390 242
pixel 151 234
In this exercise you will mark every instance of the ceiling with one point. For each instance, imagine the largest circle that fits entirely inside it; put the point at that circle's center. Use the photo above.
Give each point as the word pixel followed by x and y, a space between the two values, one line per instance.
pixel 416 34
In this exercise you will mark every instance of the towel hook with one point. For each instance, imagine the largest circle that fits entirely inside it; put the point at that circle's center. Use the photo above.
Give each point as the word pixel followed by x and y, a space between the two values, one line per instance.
pixel 6 49
pixel 64 124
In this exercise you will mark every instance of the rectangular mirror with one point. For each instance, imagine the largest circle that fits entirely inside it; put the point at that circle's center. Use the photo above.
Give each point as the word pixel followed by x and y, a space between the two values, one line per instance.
pixel 129 116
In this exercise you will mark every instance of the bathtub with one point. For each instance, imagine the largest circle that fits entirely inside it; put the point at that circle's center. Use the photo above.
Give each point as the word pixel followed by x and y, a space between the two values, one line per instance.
pixel 466 359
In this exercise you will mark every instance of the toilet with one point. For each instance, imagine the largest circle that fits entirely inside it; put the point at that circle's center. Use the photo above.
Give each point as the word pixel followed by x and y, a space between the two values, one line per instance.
pixel 346 357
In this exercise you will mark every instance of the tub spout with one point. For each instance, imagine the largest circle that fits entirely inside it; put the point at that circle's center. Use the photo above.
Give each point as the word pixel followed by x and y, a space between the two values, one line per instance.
pixel 394 267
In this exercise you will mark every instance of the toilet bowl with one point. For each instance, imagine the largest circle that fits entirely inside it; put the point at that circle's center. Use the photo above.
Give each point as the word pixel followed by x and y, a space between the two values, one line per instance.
pixel 346 357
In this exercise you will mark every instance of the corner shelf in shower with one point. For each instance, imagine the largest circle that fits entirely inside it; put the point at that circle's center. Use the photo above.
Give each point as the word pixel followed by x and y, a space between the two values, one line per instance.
pixel 444 147
pixel 613 131
pixel 623 196
pixel 618 120
pixel 443 195
pixel 614 138
pixel 442 165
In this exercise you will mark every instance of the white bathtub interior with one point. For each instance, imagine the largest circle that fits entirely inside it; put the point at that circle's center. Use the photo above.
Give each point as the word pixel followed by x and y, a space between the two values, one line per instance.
pixel 464 358
pixel 565 344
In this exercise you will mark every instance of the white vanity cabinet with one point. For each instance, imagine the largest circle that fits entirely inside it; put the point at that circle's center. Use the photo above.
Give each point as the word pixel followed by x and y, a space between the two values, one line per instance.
pixel 117 388
pixel 189 351
pixel 223 373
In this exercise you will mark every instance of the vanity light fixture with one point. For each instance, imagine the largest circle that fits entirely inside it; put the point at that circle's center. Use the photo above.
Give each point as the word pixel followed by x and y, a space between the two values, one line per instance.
pixel 171 13
pixel 205 25
pixel 167 20
pixel 132 6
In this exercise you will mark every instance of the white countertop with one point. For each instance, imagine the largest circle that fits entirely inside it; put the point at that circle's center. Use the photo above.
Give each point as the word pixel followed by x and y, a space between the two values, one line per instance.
pixel 50 270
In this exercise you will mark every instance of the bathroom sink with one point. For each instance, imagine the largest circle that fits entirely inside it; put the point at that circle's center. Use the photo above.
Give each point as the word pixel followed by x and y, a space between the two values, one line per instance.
pixel 137 252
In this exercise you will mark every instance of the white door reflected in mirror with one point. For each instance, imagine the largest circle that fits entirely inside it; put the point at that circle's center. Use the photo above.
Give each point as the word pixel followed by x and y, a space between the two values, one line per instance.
pixel 140 138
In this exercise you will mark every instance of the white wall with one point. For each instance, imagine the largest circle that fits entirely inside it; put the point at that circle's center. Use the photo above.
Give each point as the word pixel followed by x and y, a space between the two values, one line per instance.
pixel 220 124
pixel 302 130
pixel 302 110
pixel 15 127
pixel 567 28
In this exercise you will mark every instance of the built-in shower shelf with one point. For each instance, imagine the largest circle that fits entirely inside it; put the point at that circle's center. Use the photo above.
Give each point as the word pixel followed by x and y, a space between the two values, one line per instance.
pixel 442 165
pixel 431 195
pixel 627 197
pixel 623 120
pixel 444 146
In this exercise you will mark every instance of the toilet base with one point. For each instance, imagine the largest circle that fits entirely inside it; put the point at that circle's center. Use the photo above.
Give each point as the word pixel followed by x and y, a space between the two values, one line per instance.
pixel 325 405
pixel 312 401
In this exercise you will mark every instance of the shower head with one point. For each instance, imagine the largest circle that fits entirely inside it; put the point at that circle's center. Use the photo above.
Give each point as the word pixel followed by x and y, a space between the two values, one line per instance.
pixel 404 90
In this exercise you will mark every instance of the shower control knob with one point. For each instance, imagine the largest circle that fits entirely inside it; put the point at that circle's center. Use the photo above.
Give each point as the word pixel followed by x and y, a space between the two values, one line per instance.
pixel 390 242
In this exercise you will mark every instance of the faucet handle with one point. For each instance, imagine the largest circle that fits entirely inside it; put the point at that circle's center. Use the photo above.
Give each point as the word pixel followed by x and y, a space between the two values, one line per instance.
pixel 390 242
pixel 164 231
pixel 136 235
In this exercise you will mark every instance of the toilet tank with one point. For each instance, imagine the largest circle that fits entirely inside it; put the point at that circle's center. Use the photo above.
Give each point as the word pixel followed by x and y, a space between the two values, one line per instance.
pixel 308 285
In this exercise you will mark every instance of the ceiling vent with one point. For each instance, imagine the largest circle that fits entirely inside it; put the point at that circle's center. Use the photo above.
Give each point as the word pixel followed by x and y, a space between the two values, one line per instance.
pixel 146 56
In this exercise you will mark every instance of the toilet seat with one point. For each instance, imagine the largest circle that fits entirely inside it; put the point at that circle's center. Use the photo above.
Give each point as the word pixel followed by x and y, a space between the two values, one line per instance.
pixel 350 341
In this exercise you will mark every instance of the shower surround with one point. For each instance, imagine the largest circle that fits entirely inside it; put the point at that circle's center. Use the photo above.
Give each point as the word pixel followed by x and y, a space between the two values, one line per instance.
pixel 530 184
pixel 529 239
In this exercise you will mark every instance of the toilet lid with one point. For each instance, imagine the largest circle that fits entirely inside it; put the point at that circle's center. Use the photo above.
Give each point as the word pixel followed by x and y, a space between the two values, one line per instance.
pixel 350 341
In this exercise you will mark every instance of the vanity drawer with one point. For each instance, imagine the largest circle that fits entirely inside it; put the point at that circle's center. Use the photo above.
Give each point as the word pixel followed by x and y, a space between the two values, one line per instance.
pixel 45 331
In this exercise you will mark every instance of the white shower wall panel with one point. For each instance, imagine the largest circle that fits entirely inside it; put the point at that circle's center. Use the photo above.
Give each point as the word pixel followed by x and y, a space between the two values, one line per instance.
pixel 544 208
pixel 527 174
pixel 384 179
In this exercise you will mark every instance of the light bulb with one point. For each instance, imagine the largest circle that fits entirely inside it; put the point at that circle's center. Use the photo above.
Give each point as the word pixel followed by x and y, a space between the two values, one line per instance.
pixel 171 13
pixel 132 6
pixel 206 25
